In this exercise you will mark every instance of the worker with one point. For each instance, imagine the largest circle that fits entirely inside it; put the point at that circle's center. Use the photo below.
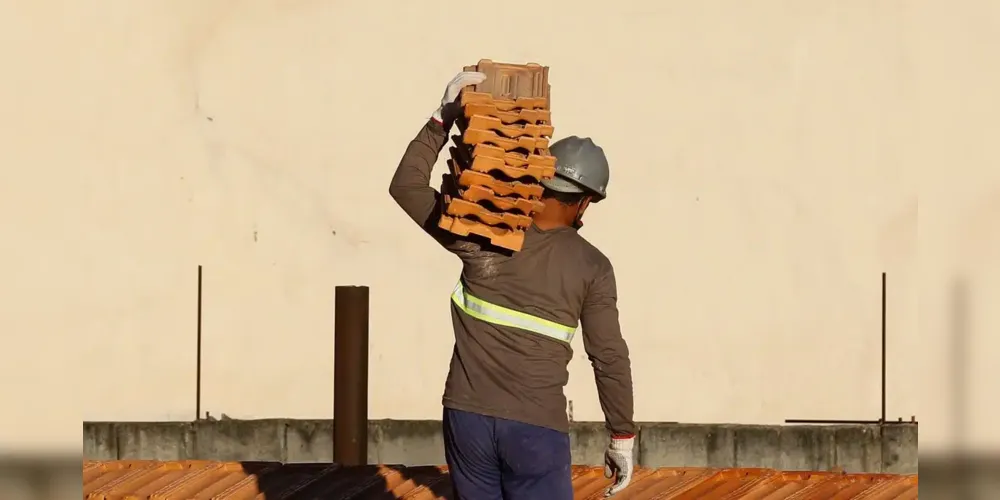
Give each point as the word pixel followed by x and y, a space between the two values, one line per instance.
pixel 506 429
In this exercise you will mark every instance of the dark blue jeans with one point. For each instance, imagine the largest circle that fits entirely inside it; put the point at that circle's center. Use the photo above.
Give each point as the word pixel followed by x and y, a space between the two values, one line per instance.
pixel 492 459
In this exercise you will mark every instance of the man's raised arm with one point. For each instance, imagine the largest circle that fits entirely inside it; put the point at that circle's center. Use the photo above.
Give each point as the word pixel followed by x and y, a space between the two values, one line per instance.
pixel 410 185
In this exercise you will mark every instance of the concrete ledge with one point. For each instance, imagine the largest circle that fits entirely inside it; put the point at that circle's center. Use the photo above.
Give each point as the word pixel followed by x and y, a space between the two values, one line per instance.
pixel 409 442
pixel 155 440
pixel 587 442
pixel 899 449
pixel 237 439
pixel 100 441
pixel 855 448
pixel 312 441
pixel 686 445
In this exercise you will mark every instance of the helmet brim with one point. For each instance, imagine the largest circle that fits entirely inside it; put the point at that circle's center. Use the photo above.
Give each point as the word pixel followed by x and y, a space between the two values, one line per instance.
pixel 561 185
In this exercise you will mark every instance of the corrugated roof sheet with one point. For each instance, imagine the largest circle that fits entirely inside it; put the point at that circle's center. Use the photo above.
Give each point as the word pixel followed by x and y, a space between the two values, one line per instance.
pixel 205 480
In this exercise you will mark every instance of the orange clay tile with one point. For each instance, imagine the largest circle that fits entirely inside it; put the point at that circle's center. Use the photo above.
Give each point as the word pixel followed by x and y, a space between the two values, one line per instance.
pixel 498 236
pixel 512 131
pixel 471 210
pixel 196 479
pixel 488 164
pixel 532 116
pixel 510 81
pixel 479 194
pixel 486 197
pixel 475 136
pixel 540 157
pixel 503 104
pixel 468 178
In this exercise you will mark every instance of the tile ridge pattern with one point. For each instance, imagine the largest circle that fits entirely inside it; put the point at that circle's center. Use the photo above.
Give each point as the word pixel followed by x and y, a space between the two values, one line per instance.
pixel 211 480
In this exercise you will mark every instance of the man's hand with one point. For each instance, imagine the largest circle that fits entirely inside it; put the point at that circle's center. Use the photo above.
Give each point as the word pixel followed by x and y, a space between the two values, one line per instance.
pixel 618 462
pixel 446 114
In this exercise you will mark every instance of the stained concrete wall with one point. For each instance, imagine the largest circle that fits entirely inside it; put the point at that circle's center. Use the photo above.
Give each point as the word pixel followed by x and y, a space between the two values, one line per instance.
pixel 789 152
pixel 857 448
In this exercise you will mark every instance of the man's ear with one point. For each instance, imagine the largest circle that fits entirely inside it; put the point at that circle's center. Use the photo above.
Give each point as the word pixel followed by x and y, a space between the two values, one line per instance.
pixel 581 206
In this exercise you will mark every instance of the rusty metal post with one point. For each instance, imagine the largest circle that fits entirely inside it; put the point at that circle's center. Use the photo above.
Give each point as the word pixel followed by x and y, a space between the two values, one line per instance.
pixel 350 376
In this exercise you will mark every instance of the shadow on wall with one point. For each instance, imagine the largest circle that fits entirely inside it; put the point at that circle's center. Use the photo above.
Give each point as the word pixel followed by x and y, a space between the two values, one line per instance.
pixel 370 482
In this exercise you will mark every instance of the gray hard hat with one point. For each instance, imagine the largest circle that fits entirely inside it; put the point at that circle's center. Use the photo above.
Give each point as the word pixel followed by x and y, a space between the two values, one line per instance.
pixel 580 167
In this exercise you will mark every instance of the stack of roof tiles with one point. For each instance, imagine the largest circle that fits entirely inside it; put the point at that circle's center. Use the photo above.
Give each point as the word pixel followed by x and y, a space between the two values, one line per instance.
pixel 499 160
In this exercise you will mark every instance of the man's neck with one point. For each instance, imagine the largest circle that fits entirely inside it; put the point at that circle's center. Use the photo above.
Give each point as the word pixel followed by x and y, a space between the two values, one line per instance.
pixel 551 217
pixel 548 224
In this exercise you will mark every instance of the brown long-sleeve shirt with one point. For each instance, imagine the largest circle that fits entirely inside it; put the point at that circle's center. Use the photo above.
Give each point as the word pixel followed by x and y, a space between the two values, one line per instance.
pixel 507 372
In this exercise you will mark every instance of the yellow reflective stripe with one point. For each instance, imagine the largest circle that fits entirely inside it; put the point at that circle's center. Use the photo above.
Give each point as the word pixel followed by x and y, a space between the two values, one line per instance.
pixel 498 315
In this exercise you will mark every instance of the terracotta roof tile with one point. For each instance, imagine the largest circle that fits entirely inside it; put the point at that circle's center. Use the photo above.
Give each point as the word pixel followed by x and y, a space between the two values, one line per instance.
pixel 205 480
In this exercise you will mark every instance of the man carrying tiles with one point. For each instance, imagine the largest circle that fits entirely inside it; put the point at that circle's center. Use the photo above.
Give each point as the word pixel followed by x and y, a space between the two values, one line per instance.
pixel 514 316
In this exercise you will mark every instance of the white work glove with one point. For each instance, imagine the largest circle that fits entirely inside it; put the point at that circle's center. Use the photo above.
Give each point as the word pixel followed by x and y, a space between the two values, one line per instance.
pixel 618 462
pixel 448 111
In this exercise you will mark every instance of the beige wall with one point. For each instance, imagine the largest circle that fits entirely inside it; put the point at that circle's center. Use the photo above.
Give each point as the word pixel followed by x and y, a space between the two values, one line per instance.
pixel 769 160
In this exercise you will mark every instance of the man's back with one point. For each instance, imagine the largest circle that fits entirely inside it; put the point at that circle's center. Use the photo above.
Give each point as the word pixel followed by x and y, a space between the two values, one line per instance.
pixel 514 372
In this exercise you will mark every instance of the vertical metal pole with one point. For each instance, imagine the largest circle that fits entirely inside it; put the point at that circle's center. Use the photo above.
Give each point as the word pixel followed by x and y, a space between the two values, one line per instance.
pixel 883 347
pixel 197 391
pixel 350 376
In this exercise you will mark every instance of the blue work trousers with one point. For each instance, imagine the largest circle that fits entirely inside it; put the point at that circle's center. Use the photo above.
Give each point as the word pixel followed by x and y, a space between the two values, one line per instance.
pixel 495 459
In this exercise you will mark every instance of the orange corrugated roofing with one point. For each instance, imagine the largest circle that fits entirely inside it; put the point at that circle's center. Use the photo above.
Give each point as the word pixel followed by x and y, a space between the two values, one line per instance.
pixel 204 480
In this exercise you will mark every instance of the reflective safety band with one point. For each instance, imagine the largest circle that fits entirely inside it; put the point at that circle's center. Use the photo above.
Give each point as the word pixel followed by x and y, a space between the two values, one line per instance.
pixel 492 313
